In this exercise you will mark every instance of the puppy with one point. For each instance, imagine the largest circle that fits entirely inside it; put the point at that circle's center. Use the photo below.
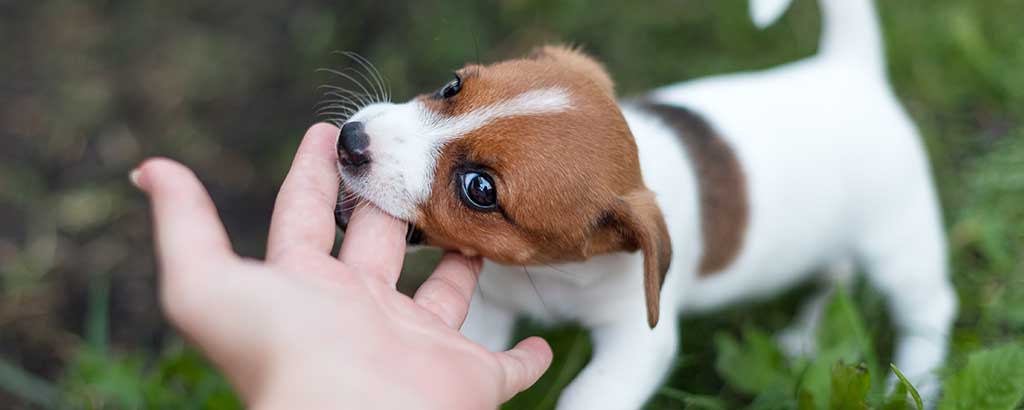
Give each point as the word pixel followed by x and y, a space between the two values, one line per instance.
pixel 621 216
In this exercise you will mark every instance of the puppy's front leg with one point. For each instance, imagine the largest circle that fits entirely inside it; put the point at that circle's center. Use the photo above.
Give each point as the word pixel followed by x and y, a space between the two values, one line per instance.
pixel 629 363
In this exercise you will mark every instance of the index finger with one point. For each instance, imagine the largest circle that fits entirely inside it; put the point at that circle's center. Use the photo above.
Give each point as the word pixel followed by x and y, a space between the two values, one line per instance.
pixel 304 210
pixel 448 290
pixel 374 243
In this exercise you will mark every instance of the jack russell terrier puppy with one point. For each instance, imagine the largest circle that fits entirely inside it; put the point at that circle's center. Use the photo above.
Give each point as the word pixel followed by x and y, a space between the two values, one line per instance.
pixel 621 216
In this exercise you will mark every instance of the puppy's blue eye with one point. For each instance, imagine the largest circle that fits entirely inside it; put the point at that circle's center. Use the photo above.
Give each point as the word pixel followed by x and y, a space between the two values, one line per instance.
pixel 478 191
pixel 452 88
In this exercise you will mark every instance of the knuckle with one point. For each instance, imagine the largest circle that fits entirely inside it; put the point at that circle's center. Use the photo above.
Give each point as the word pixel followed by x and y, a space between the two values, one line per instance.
pixel 442 289
pixel 515 375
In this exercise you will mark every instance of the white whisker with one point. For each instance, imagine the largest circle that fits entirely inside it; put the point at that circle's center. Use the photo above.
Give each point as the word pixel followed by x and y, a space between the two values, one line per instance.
pixel 372 69
pixel 330 113
pixel 363 100
pixel 374 86
pixel 342 92
pixel 337 104
pixel 348 77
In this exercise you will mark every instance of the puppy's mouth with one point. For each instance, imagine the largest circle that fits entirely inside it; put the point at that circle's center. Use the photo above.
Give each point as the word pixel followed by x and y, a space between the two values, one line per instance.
pixel 343 213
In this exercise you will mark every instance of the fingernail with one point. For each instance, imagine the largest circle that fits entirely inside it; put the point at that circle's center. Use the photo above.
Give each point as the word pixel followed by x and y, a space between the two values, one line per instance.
pixel 134 177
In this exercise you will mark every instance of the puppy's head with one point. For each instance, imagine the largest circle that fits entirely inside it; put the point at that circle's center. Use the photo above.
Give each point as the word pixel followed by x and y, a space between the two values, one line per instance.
pixel 526 161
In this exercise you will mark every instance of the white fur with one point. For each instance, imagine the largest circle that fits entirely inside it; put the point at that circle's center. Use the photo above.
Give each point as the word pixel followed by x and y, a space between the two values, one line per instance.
pixel 405 140
pixel 836 173
pixel 766 12
pixel 533 102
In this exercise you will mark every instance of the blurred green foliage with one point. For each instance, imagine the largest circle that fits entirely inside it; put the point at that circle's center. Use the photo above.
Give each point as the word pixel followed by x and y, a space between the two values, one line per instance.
pixel 177 378
pixel 90 87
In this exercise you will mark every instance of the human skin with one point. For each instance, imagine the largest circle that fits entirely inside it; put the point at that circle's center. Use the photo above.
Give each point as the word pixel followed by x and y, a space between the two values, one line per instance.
pixel 303 329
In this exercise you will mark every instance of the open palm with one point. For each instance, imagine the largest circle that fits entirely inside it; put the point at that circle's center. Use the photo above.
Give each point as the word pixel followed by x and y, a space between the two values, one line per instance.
pixel 306 330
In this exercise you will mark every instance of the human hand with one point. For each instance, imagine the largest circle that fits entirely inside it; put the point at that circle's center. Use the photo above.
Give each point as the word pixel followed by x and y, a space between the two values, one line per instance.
pixel 306 330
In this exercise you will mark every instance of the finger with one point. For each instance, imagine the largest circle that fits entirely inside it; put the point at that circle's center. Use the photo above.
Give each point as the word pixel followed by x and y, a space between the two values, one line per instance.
pixel 189 232
pixel 374 243
pixel 304 210
pixel 448 290
pixel 524 364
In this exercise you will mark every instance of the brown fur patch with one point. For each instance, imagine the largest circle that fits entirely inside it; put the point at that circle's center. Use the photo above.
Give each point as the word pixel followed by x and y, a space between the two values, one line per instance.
pixel 574 59
pixel 549 66
pixel 644 227
pixel 724 208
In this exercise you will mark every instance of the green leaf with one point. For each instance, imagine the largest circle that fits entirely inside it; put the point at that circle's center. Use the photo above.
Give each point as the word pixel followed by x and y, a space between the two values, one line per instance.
pixel 773 399
pixel 96 377
pixel 843 332
pixel 180 378
pixel 753 365
pixel 850 387
pixel 993 379
pixel 183 372
pixel 906 386
pixel 806 401
pixel 842 338
pixel 693 401
pixel 898 399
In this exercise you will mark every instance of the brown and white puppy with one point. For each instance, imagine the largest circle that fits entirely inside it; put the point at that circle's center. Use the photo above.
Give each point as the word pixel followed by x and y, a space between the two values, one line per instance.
pixel 602 213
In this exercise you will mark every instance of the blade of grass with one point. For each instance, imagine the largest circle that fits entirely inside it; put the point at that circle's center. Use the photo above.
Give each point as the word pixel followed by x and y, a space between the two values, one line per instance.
pixel 910 387
pixel 22 384
pixel 96 320
pixel 690 400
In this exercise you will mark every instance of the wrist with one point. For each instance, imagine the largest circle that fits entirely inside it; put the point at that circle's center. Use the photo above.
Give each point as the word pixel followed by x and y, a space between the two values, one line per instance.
pixel 310 391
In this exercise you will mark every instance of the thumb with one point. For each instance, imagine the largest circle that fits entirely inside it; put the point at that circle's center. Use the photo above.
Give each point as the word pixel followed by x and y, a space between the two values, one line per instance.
pixel 189 232
pixel 190 238
pixel 523 365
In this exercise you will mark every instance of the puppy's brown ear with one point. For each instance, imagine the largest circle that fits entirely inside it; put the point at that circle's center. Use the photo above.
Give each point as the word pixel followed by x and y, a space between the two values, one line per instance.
pixel 577 60
pixel 635 222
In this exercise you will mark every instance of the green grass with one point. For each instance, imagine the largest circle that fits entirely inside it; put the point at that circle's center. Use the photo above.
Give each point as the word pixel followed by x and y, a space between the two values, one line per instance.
pixel 228 86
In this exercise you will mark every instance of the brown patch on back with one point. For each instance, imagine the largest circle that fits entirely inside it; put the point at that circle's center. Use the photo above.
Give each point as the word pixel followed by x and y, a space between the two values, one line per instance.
pixel 724 208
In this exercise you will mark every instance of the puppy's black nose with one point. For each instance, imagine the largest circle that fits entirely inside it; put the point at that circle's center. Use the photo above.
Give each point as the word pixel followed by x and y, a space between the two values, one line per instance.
pixel 353 145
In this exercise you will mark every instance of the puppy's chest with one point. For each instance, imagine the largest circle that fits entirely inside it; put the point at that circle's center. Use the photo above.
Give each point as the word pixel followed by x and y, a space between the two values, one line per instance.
pixel 598 290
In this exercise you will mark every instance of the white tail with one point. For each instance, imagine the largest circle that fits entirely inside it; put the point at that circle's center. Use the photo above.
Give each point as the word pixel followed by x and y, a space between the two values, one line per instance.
pixel 850 30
